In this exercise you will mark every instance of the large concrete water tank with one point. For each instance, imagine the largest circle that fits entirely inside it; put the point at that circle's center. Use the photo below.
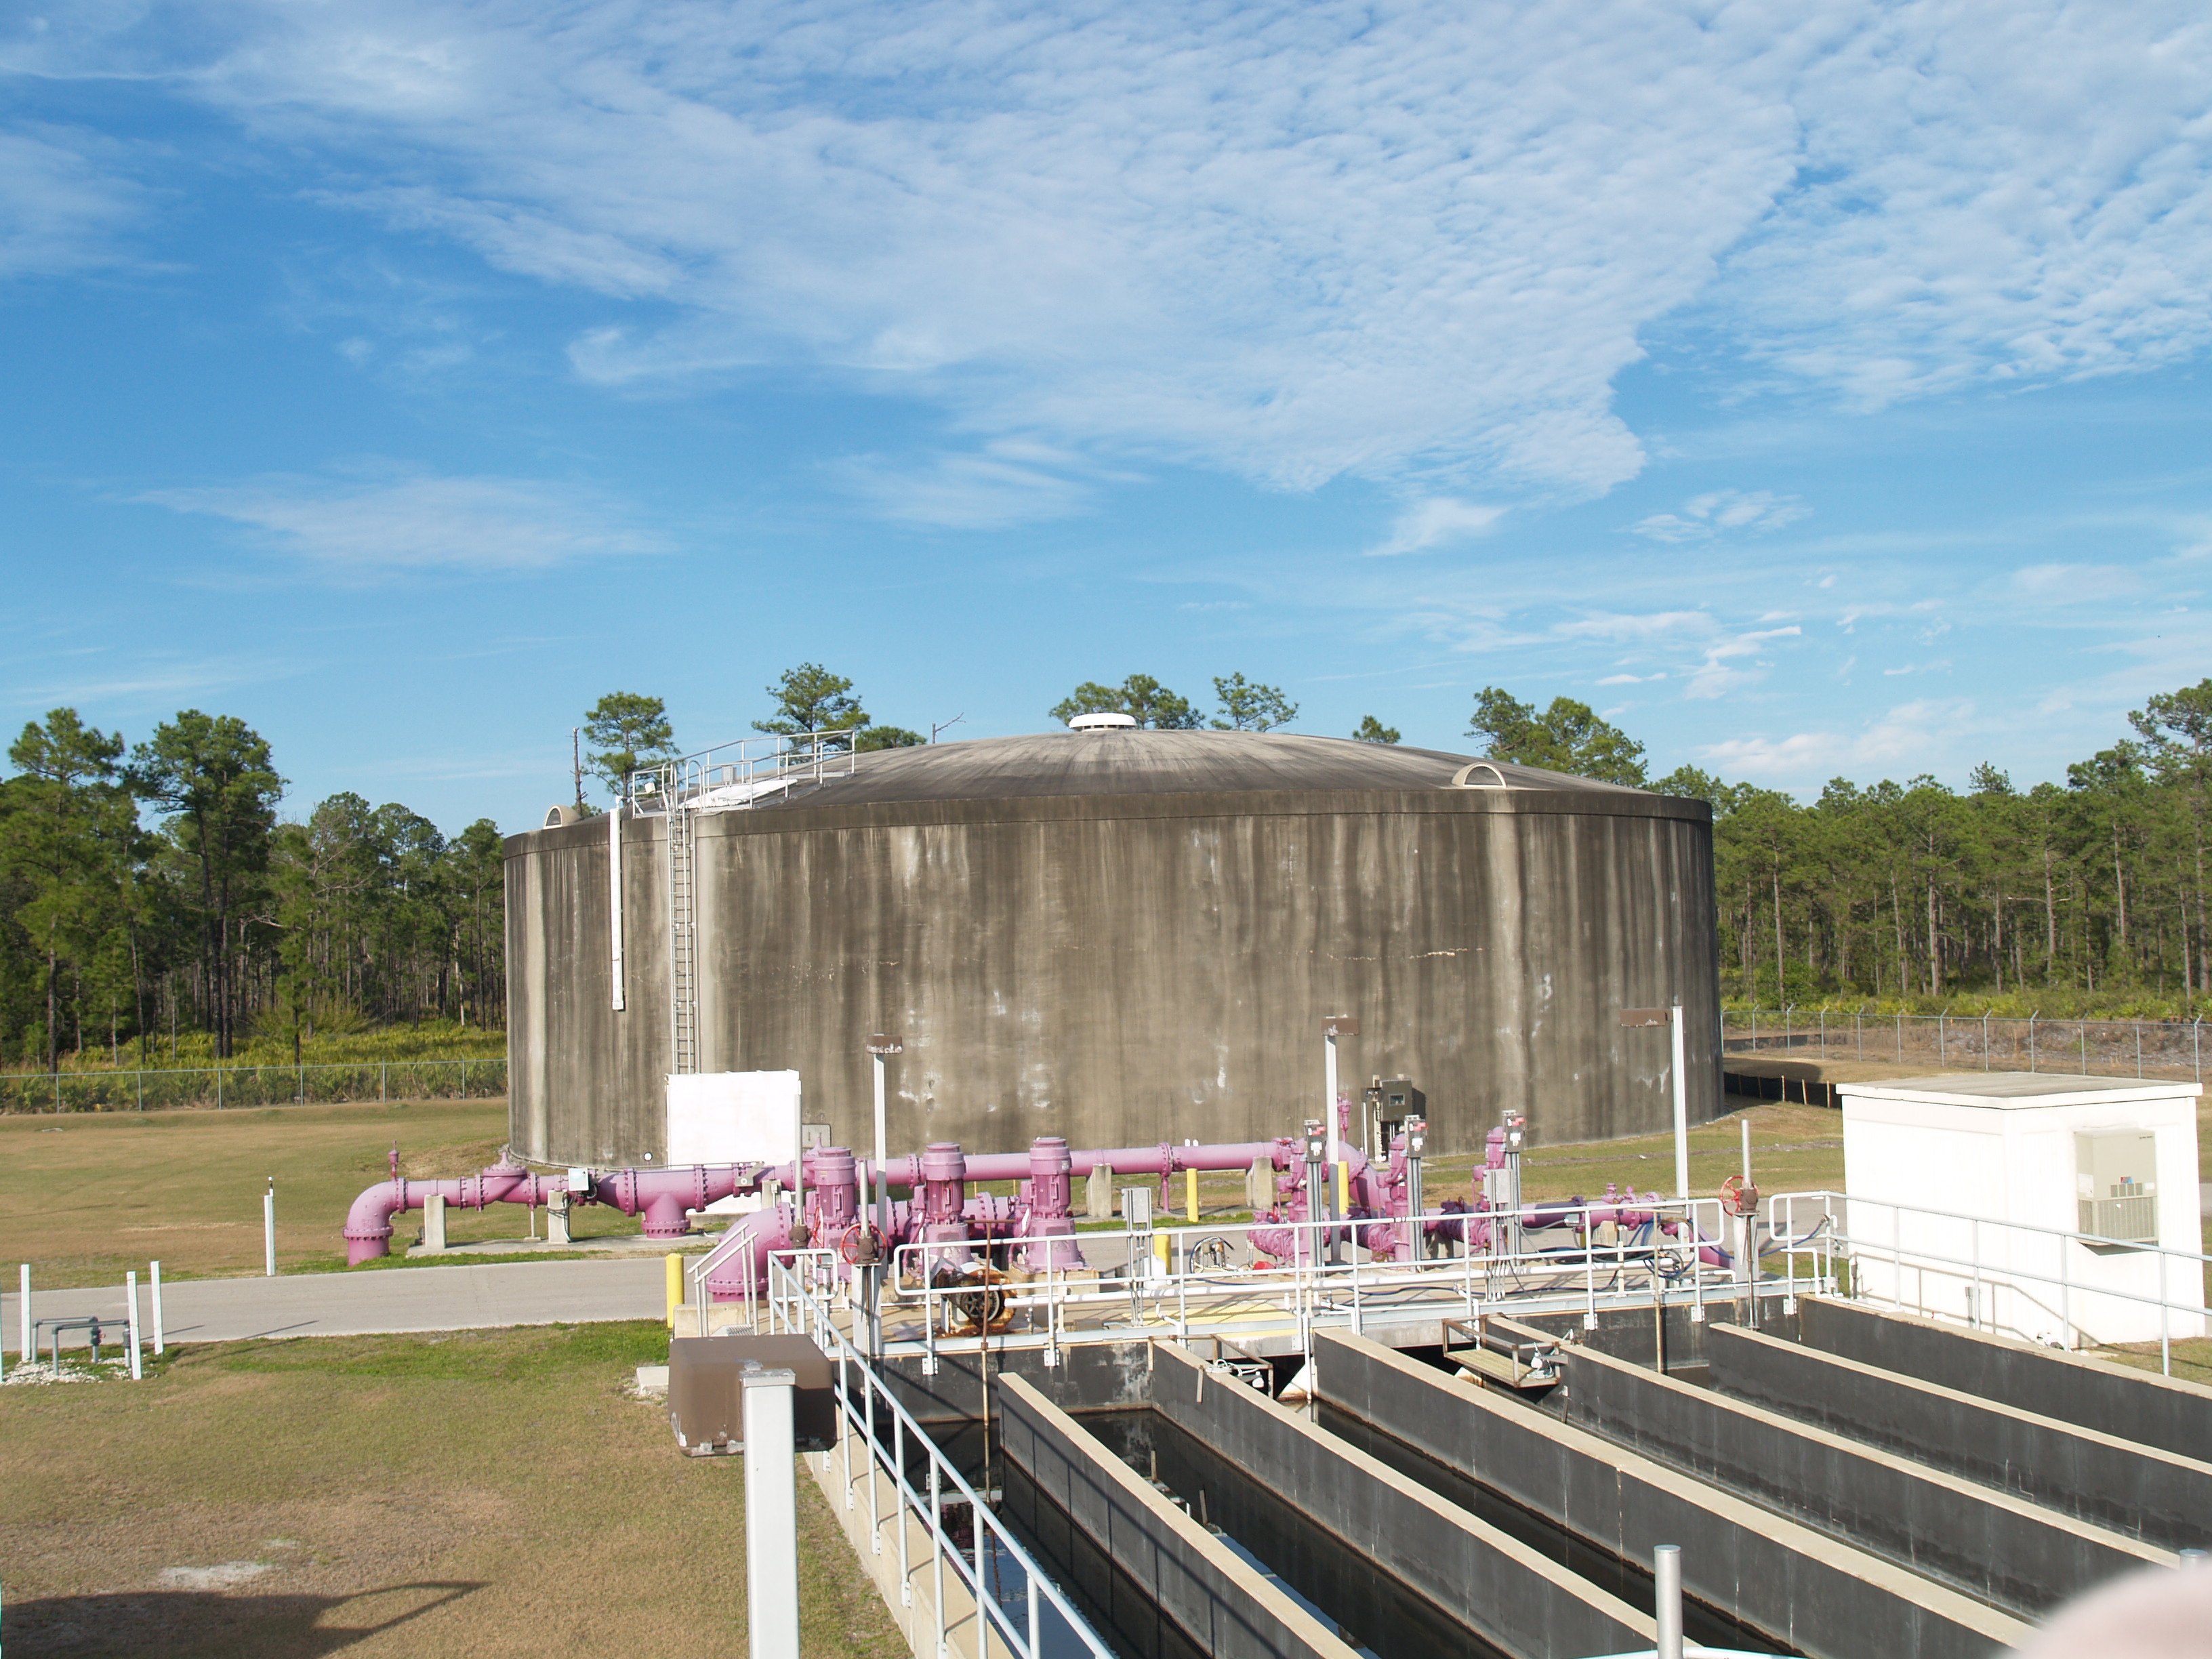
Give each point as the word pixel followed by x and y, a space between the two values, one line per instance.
pixel 1126 937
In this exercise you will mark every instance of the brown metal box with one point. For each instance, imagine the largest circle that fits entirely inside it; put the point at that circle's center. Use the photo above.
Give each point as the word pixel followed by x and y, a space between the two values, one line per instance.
pixel 706 1397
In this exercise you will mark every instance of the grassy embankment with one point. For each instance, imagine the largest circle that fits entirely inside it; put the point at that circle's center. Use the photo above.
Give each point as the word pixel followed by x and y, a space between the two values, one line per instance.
pixel 490 1493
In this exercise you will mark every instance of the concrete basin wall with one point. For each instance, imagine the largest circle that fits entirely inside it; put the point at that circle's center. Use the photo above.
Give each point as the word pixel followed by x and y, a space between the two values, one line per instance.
pixel 1812 1593
pixel 2133 1489
pixel 1511 1594
pixel 1992 1544
pixel 2131 1404
pixel 1227 1607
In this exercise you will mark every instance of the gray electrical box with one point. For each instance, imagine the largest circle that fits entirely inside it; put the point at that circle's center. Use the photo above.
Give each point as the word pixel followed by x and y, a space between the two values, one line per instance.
pixel 2116 1184
pixel 706 1390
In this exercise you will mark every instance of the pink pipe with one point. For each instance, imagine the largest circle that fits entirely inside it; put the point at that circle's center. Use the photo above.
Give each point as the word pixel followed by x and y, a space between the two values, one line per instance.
pixel 368 1222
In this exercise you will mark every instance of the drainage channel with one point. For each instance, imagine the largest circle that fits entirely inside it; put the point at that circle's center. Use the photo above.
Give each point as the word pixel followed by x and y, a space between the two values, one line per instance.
pixel 1701 1625
pixel 1370 1611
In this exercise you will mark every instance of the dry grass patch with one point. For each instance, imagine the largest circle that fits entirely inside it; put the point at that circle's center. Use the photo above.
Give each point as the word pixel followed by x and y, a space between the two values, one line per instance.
pixel 484 1493
pixel 85 1196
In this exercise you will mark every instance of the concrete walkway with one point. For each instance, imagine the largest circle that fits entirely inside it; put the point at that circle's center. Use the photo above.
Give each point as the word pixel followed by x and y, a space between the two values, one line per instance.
pixel 456 1298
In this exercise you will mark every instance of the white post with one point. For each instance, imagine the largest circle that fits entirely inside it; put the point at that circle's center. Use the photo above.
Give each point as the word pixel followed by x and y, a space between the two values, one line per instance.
pixel 615 906
pixel 771 1515
pixel 1328 1084
pixel 130 1323
pixel 883 1180
pixel 23 1313
pixel 157 1310
pixel 1667 1599
pixel 269 1229
pixel 1681 1103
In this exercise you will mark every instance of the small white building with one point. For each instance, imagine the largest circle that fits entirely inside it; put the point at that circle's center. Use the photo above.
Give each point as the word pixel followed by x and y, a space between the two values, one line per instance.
pixel 1960 1187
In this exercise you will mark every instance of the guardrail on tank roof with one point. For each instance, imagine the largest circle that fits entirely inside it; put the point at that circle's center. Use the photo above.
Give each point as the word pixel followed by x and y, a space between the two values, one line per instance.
pixel 736 777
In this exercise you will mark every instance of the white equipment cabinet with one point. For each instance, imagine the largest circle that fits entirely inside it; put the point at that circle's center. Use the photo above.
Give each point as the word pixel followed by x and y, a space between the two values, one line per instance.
pixel 733 1117
pixel 2028 1156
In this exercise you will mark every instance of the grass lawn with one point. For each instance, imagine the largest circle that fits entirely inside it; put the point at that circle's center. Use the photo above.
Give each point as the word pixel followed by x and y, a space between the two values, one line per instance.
pixel 86 1195
pixel 490 1493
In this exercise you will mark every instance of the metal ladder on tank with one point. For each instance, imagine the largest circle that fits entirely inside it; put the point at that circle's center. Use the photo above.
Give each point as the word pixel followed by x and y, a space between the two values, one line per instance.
pixel 682 927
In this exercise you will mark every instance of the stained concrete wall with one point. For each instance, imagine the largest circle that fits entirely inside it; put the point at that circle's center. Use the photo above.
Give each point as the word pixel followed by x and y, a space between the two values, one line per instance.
pixel 1992 1544
pixel 1508 1593
pixel 2157 1411
pixel 2153 1495
pixel 1820 1597
pixel 1128 969
pixel 1227 1607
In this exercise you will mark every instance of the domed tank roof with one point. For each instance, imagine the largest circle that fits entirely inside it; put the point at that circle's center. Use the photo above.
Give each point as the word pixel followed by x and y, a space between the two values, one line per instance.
pixel 1136 763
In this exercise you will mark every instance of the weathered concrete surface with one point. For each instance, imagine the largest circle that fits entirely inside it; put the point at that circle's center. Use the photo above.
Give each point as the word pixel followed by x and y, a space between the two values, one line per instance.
pixel 1511 1594
pixel 2144 1407
pixel 1143 956
pixel 2117 1484
pixel 1818 1596
pixel 1993 1545
pixel 1227 1607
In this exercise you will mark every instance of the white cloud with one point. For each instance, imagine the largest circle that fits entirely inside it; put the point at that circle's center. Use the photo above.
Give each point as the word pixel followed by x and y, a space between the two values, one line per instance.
pixel 1291 241
pixel 418 522
pixel 1003 483
pixel 62 203
pixel 1437 522
pixel 1906 739
pixel 1708 515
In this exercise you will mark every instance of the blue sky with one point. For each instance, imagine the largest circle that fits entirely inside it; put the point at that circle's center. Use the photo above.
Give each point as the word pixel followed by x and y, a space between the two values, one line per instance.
pixel 1815 391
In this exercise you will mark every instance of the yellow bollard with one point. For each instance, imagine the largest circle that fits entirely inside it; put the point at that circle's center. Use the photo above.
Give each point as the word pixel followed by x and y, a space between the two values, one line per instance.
pixel 1344 1188
pixel 1190 1194
pixel 1163 1247
pixel 675 1288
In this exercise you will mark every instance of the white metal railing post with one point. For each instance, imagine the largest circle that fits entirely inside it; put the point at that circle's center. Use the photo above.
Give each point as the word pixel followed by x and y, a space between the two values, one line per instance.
pixel 130 1323
pixel 158 1341
pixel 2165 1343
pixel 898 1439
pixel 937 1552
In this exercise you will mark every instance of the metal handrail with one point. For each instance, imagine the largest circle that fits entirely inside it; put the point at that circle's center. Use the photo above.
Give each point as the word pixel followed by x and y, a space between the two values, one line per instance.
pixel 1834 1233
pixel 1314 1292
pixel 737 776
pixel 816 1319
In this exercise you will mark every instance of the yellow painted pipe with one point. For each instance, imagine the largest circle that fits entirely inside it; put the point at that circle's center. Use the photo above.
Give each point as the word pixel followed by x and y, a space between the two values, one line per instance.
pixel 675 1288
pixel 1190 1194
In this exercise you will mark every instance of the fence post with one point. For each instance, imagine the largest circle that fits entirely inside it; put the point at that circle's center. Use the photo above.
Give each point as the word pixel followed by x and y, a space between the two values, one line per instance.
pixel 1943 1047
pixel 383 1076
pixel 141 1077
pixel 1985 1040
pixel 218 1088
pixel 2139 1049
pixel 464 1080
pixel 2196 1045
pixel 2031 1042
pixel 58 1092
pixel 1900 1039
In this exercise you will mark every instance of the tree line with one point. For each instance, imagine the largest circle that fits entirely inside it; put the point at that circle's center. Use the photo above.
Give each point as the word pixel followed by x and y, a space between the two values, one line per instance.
pixel 2092 890
pixel 150 892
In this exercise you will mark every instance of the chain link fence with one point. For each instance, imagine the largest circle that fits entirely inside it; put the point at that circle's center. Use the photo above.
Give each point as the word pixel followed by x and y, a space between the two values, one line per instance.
pixel 2150 1049
pixel 225 1087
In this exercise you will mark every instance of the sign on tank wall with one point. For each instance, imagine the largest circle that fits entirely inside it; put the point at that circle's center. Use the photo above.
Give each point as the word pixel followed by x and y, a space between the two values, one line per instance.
pixel 733 1117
